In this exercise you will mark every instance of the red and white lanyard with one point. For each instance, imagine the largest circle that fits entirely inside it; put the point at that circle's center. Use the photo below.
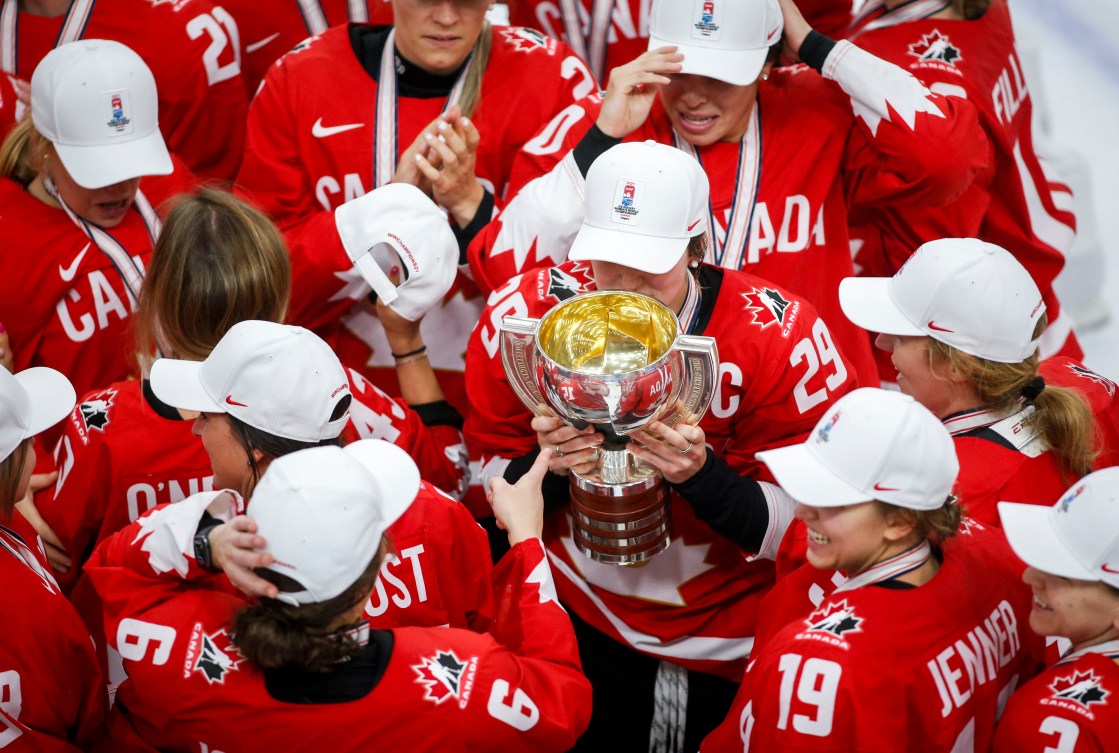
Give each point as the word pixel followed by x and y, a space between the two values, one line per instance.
pixel 1110 649
pixel 689 312
pixel 314 17
pixel 14 544
pixel 891 568
pixel 961 423
pixel 591 47
pixel 130 271
pixel 384 146
pixel 73 27
pixel 731 250
pixel 914 10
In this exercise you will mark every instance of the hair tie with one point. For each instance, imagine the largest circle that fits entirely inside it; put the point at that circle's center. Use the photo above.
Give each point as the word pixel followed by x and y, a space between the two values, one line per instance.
pixel 1033 389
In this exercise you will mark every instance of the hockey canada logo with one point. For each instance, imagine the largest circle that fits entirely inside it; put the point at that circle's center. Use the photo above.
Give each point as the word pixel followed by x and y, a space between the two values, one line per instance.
pixel 935 47
pixel 835 619
pixel 1086 373
pixel 95 413
pixel 211 655
pixel 119 122
pixel 1080 687
pixel 445 676
pixel 706 23
pixel 627 207
pixel 769 307
pixel 561 285
pixel 527 40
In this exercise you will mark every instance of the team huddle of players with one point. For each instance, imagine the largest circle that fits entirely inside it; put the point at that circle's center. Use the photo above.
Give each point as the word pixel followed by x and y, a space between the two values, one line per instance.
pixel 260 446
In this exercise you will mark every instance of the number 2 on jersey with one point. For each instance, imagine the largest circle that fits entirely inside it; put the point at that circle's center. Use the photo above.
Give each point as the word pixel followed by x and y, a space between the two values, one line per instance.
pixel 816 351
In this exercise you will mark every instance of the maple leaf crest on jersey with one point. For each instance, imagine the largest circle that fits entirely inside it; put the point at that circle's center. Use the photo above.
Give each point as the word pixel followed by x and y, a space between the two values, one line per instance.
pixel 1087 373
pixel 528 40
pixel 446 676
pixel 211 655
pixel 1080 687
pixel 835 619
pixel 95 413
pixel 561 285
pixel 769 307
pixel 935 47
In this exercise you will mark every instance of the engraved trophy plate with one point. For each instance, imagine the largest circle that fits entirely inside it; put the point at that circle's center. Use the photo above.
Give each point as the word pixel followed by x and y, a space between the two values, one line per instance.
pixel 617 361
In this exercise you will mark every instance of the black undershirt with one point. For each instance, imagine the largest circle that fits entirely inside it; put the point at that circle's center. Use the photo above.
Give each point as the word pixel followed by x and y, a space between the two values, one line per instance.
pixel 349 681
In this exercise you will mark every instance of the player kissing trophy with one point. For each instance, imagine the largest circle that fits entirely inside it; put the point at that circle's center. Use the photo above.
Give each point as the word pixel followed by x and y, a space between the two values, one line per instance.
pixel 616 359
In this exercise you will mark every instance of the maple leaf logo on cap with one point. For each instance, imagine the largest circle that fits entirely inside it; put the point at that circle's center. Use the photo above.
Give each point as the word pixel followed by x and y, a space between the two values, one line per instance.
pixel 1080 687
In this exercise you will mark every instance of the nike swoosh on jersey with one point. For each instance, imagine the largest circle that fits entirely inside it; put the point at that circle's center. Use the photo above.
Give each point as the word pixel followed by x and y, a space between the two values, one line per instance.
pixel 319 131
pixel 67 273
pixel 257 45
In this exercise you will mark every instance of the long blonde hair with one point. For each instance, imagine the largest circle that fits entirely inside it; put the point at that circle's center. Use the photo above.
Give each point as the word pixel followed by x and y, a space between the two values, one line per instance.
pixel 20 158
pixel 480 58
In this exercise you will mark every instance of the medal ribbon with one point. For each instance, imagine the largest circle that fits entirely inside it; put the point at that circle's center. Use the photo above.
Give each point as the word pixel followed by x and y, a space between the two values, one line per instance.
pixel 73 27
pixel 889 569
pixel 915 10
pixel 592 46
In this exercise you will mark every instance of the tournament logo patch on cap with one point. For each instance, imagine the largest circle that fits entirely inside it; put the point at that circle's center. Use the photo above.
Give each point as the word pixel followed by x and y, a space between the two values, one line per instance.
pixel 1069 498
pixel 627 199
pixel 824 432
pixel 119 122
pixel 706 25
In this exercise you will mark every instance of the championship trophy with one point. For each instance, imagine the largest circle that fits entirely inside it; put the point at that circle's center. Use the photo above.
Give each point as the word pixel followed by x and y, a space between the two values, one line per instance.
pixel 617 361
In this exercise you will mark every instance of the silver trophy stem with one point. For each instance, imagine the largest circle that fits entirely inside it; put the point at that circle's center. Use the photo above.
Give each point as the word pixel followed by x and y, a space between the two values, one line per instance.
pixel 615 466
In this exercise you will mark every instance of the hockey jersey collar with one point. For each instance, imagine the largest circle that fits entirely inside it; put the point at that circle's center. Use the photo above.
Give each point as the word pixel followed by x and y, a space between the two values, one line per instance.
pixel 350 681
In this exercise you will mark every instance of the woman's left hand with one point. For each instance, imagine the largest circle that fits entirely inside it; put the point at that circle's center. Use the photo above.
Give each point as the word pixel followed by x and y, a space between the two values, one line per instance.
pixel 453 143
pixel 677 452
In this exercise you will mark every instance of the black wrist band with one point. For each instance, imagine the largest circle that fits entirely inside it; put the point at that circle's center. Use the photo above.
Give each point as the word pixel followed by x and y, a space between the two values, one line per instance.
pixel 416 352
pixel 203 555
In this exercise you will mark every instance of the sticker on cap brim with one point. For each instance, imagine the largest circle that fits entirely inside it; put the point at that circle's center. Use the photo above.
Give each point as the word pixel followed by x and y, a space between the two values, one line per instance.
pixel 627 202
pixel 706 25
pixel 120 112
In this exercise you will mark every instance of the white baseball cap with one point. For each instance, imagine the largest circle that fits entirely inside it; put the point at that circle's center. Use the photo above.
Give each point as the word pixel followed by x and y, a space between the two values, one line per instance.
pixel 971 295
pixel 277 378
pixel 1076 538
pixel 323 511
pixel 645 201
pixel 724 39
pixel 95 101
pixel 31 401
pixel 398 227
pixel 871 444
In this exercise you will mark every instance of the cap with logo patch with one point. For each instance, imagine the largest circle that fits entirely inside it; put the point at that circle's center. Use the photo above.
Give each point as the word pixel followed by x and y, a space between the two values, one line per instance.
pixel 871 444
pixel 277 378
pixel 971 295
pixel 95 101
pixel 323 511
pixel 728 40
pixel 1076 538
pixel 31 401
pixel 397 228
pixel 645 201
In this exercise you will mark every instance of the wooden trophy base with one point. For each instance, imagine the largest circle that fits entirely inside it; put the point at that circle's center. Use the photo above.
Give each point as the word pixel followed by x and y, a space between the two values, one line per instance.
pixel 620 524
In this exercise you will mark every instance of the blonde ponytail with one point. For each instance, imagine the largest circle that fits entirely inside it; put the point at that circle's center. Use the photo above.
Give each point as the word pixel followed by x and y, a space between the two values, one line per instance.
pixel 480 58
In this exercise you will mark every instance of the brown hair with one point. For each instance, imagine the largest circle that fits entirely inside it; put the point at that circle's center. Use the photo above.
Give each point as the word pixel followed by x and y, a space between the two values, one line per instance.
pixel 20 159
pixel 480 58
pixel 217 262
pixel 11 473
pixel 273 634
pixel 969 10
pixel 936 525
pixel 1061 417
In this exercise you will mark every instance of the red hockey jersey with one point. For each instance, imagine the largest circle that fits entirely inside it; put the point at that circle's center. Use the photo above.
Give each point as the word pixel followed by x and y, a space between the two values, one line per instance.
pixel 192 49
pixel 1099 392
pixel 519 688
pixel 63 302
pixel 1018 203
pixel 52 693
pixel 881 669
pixel 812 148
pixel 269 28
pixel 1071 707
pixel 697 602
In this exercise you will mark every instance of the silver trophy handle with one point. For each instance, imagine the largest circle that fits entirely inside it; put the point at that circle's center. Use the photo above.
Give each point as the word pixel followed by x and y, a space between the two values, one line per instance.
pixel 701 378
pixel 518 354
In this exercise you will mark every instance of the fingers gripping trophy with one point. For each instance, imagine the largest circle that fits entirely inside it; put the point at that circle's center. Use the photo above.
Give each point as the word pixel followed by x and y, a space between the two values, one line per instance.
pixel 616 358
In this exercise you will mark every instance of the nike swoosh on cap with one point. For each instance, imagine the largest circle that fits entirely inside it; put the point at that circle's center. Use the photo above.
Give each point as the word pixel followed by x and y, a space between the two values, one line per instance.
pixel 319 131
pixel 1108 569
pixel 694 224
pixel 229 399
pixel 938 328
pixel 67 273
pixel 257 45
pixel 880 488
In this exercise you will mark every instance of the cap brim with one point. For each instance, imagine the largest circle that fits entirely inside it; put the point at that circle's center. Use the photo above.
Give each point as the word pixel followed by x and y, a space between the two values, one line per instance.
pixel 51 394
pixel 104 165
pixel 179 384
pixel 866 301
pixel 1029 529
pixel 397 476
pixel 647 253
pixel 807 481
pixel 738 67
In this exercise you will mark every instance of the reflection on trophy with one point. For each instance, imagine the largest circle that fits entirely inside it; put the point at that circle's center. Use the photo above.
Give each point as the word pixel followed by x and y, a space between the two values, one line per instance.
pixel 618 361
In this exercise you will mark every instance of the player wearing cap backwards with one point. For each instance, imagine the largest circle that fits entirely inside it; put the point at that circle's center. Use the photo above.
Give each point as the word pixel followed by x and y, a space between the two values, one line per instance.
pixel 1072 550
pixel 440 99
pixel 52 693
pixel 961 322
pixel 787 150
pixel 665 643
pixel 966 49
pixel 190 46
pixel 302 669
pixel 80 184
pixel 886 640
